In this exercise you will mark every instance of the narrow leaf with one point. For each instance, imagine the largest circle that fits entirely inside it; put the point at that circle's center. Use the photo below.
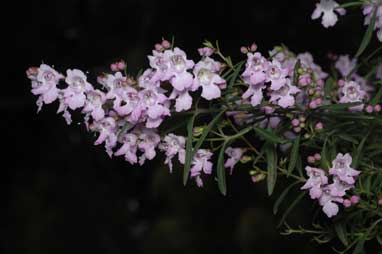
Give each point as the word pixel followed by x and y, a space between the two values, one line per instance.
pixel 293 155
pixel 221 170
pixel 282 196
pixel 271 158
pixel 188 159
pixel 340 229
pixel 268 135
pixel 369 33
pixel 359 151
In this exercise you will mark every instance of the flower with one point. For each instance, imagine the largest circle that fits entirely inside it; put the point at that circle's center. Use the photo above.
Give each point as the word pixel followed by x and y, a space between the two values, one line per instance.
pixel 201 164
pixel 284 96
pixel 129 148
pixel 44 83
pixel 317 179
pixel 327 8
pixel 94 103
pixel 345 65
pixel 74 95
pixel 341 168
pixel 154 105
pixel 173 145
pixel 206 51
pixel 107 128
pixel 368 11
pixel 205 73
pixel 338 188
pixel 327 201
pixel 148 140
pixel 276 75
pixel 235 155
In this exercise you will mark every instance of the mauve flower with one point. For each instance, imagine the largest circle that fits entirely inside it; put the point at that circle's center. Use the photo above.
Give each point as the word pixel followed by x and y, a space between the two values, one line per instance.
pixel 201 164
pixel 148 141
pixel 327 8
pixel 276 75
pixel 129 148
pixel 161 64
pixel 74 95
pixel 173 145
pixel 317 179
pixel 206 51
pixel 205 73
pixel 235 155
pixel 341 168
pixel 338 188
pixel 352 92
pixel 179 64
pixel 256 67
pixel 345 65
pixel 284 97
pixel 368 11
pixel 307 62
pixel 126 103
pixel 94 103
pixel 44 83
pixel 327 201
pixel 113 83
pixel 107 128
pixel 183 100
pixel 154 105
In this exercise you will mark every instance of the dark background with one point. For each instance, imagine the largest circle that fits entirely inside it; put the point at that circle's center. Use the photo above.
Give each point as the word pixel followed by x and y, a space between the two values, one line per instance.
pixel 61 194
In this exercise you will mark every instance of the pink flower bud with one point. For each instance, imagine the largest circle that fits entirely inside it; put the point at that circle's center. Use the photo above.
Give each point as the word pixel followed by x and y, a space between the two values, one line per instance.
pixel 319 126
pixel 158 47
pixel 320 83
pixel 244 50
pixel 318 101
pixel 268 110
pixel 317 156
pixel 377 108
pixel 295 122
pixel 354 199
pixel 312 105
pixel 346 203
pixel 114 67
pixel 121 65
pixel 311 159
pixel 380 201
pixel 297 129
pixel 369 109
pixel 166 44
pixel 341 83
pixel 206 51
pixel 253 47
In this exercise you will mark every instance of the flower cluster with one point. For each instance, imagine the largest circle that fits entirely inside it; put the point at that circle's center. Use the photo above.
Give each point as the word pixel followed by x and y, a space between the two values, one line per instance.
pixel 329 194
pixel 329 9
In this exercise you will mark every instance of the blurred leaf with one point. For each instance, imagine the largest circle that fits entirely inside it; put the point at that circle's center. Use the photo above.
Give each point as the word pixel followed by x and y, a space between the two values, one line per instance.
pixel 282 196
pixel 188 159
pixel 368 35
pixel 297 66
pixel 290 208
pixel 271 157
pixel 359 151
pixel 377 97
pixel 328 87
pixel 293 155
pixel 340 106
pixel 269 135
pixel 221 170
pixel 325 156
pixel 235 74
pixel 340 229
pixel 352 4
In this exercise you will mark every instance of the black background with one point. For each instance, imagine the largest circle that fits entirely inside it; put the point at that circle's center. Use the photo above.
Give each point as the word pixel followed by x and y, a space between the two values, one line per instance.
pixel 61 194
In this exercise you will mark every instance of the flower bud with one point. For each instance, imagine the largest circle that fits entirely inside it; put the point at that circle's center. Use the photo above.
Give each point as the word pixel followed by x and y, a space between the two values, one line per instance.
pixel 245 159
pixel 121 65
pixel 346 203
pixel 317 156
pixel 341 83
pixel 311 159
pixel 166 44
pixel 377 108
pixel 354 199
pixel 258 177
pixel 306 135
pixel 297 129
pixel 319 126
pixel 197 131
pixel 295 122
pixel 369 109
pixel 312 105
pixel 244 50
pixel 158 47
pixel 253 47
pixel 114 67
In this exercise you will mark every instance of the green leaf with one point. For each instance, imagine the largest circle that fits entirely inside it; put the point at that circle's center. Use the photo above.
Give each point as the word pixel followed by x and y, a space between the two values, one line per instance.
pixel 359 151
pixel 352 4
pixel 221 170
pixel 282 196
pixel 290 208
pixel 369 33
pixel 377 98
pixel 296 76
pixel 328 88
pixel 192 151
pixel 325 156
pixel 271 157
pixel 293 155
pixel 340 229
pixel 188 159
pixel 359 248
pixel 235 74
pixel 340 106
pixel 269 135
